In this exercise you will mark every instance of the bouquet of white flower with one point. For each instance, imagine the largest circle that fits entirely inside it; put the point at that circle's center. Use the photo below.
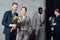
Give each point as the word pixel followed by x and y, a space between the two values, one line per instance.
pixel 14 20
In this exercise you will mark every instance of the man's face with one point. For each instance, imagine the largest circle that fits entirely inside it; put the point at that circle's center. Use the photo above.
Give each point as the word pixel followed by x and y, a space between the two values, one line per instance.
pixel 14 7
pixel 23 11
pixel 41 10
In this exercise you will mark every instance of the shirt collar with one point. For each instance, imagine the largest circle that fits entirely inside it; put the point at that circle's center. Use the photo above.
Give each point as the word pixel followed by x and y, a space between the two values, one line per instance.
pixel 39 14
pixel 12 11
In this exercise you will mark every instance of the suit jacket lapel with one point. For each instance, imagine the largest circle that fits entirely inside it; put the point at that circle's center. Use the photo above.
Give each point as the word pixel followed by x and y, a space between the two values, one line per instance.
pixel 11 13
pixel 25 18
pixel 36 17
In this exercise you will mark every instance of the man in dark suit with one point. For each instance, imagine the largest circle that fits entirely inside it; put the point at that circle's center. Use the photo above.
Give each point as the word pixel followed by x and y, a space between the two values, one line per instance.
pixel 7 22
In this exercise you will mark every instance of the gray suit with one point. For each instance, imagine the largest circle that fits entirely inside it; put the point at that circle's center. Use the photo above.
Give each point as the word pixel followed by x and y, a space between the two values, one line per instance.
pixel 36 25
pixel 22 33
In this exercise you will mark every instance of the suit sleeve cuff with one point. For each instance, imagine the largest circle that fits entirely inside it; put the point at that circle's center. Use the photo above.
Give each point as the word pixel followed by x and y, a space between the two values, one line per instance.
pixel 10 25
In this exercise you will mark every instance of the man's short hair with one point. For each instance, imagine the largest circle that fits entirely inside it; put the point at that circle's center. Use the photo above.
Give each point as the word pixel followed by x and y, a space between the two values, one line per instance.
pixel 25 8
pixel 40 8
pixel 14 3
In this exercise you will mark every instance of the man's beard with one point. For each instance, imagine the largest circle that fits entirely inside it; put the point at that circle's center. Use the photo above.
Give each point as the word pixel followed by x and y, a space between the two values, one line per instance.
pixel 40 12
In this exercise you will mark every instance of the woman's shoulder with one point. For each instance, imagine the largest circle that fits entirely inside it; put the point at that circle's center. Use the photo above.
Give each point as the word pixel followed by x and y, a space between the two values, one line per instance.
pixel 59 16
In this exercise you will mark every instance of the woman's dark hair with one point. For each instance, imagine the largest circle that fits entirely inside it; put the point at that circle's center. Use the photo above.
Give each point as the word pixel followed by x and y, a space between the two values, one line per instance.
pixel 25 8
pixel 57 10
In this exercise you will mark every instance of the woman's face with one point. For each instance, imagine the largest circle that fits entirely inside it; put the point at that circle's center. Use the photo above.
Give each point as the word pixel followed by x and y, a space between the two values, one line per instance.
pixel 23 11
pixel 55 12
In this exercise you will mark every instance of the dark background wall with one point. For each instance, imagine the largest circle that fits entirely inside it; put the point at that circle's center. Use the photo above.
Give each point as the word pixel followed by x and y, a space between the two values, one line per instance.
pixel 50 6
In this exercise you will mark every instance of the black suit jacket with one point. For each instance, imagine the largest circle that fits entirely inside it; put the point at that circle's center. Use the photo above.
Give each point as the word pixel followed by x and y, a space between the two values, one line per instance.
pixel 6 21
